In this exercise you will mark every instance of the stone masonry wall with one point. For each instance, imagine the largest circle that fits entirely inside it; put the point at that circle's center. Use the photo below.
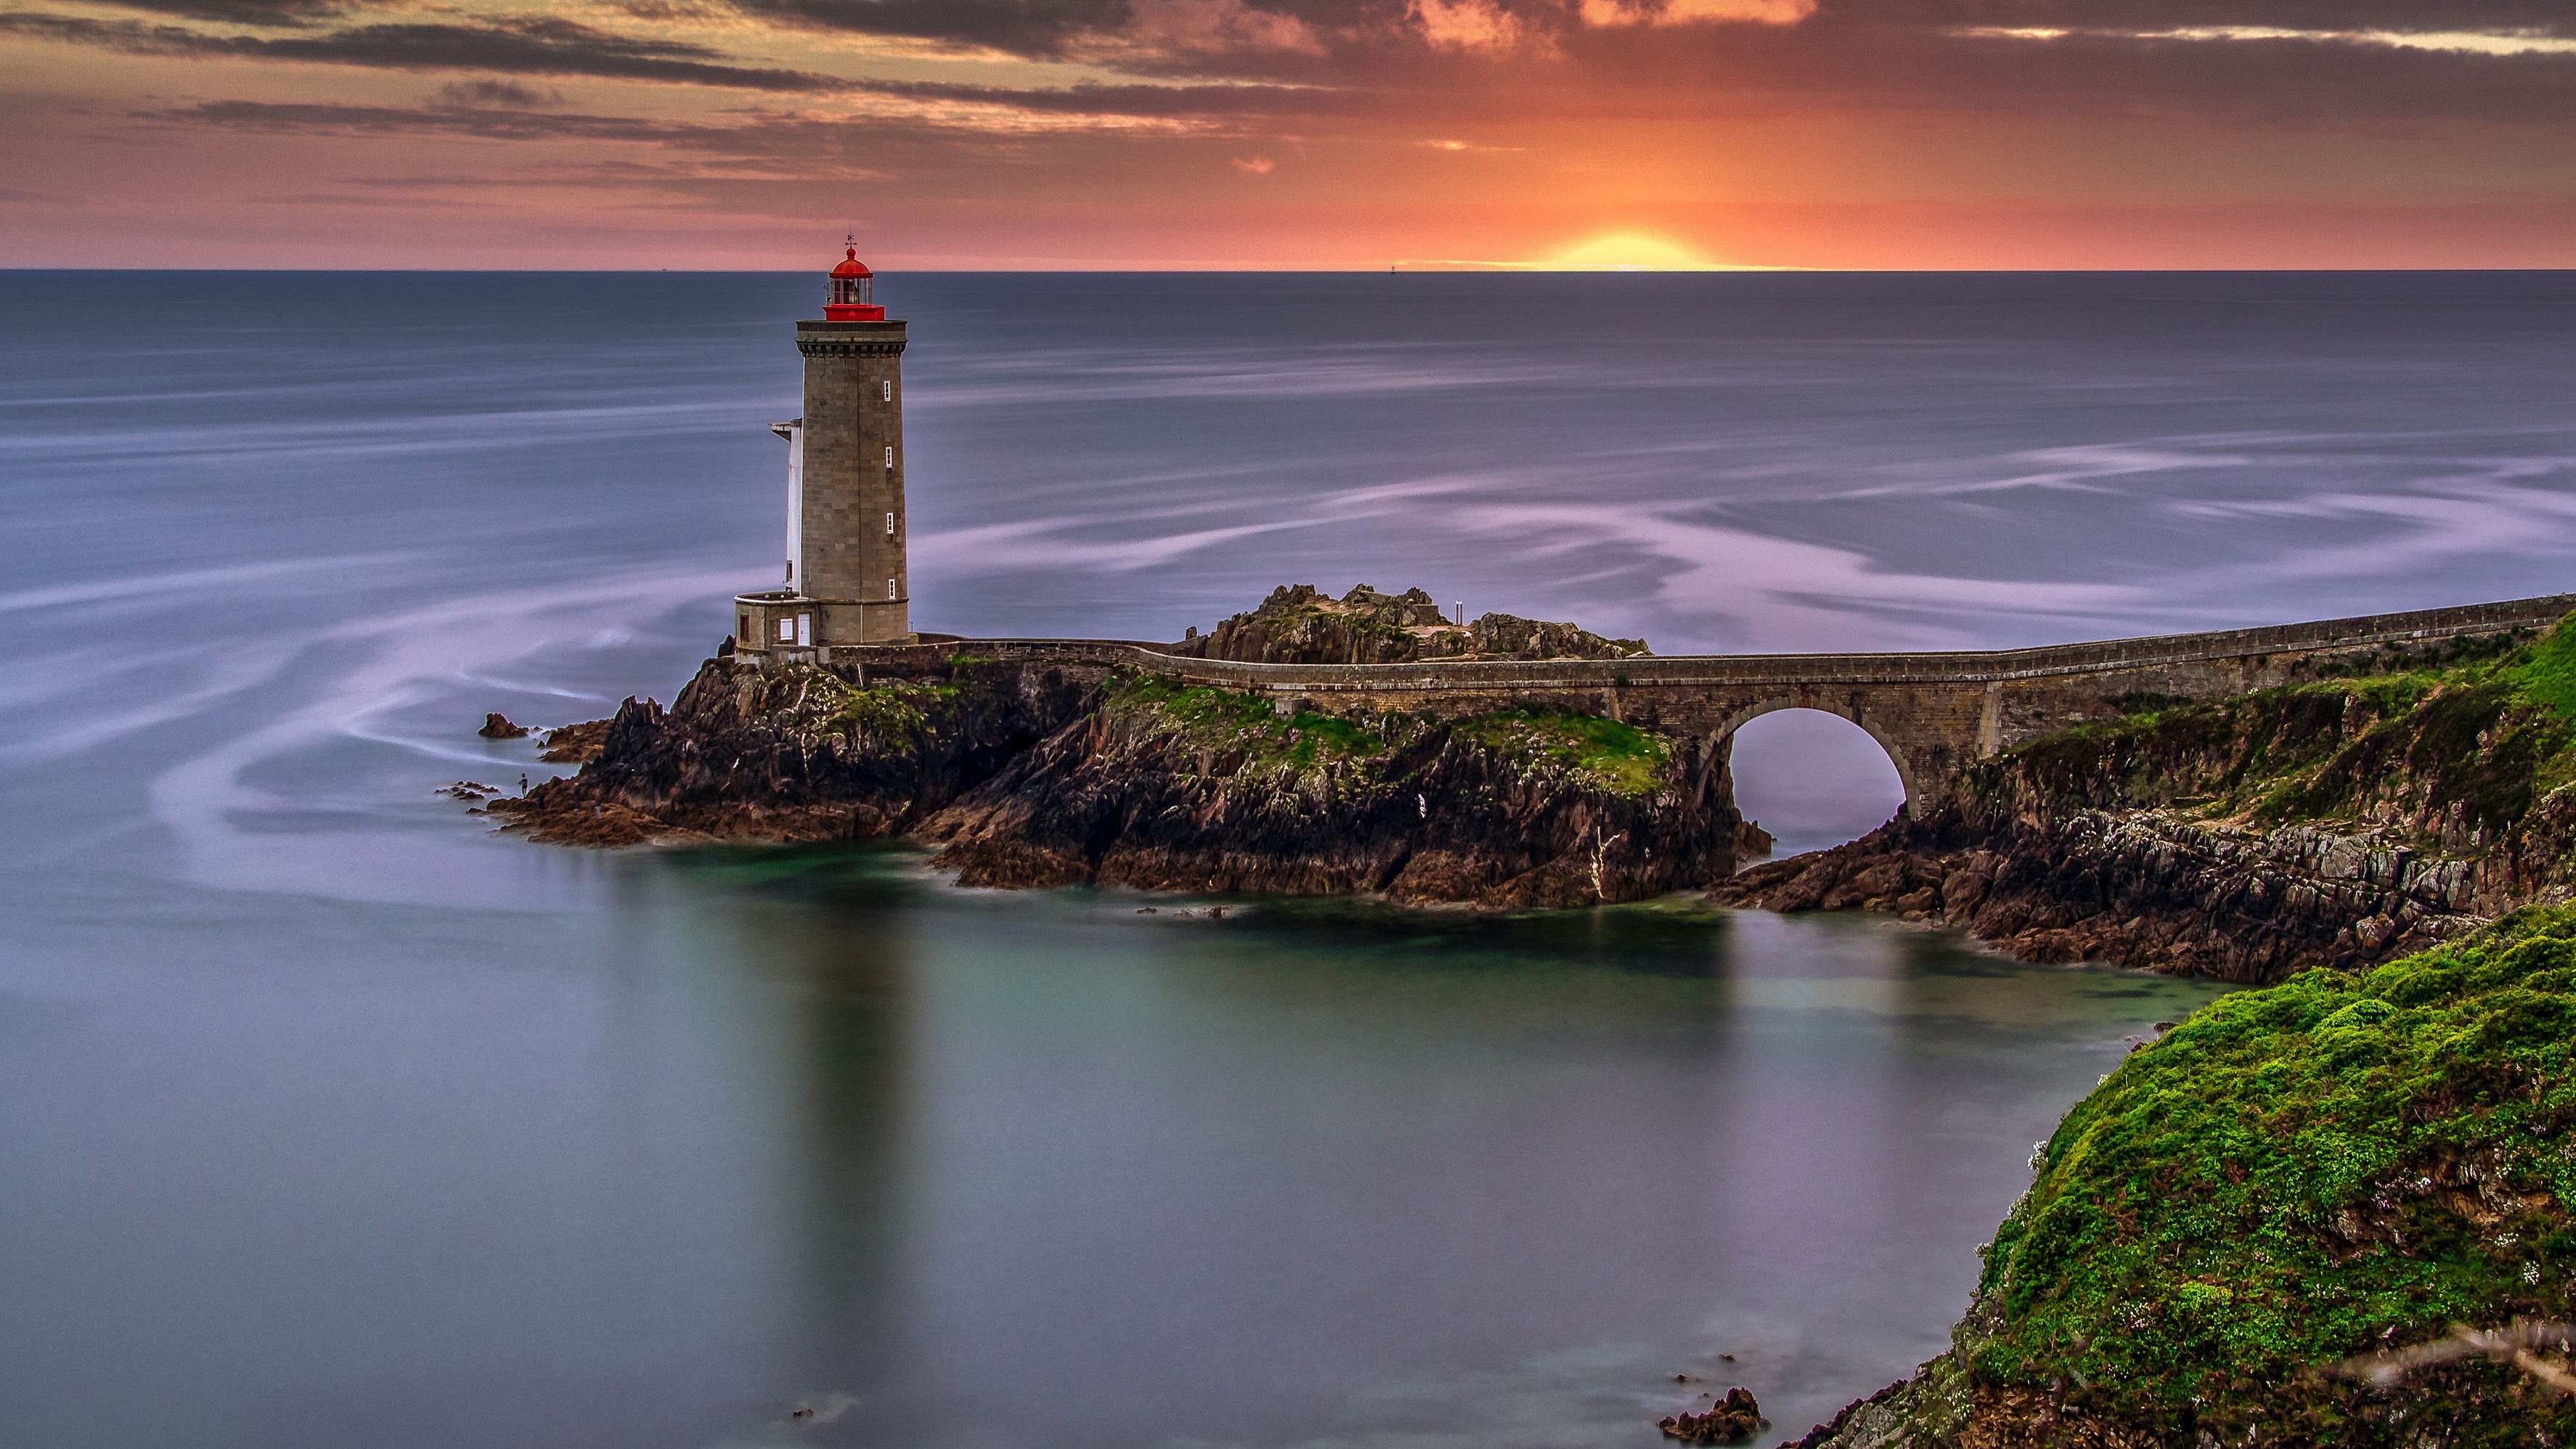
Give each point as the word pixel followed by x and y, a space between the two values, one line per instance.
pixel 1932 713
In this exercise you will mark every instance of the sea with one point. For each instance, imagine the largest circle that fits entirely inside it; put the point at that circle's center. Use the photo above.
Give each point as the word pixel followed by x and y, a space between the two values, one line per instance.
pixel 330 1118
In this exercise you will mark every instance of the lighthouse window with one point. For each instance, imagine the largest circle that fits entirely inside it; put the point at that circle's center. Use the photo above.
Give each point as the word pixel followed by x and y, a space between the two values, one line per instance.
pixel 786 630
pixel 742 627
pixel 889 455
pixel 889 392
pixel 889 588
pixel 889 525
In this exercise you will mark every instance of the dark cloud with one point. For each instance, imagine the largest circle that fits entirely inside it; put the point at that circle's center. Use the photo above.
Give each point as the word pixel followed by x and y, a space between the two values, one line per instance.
pixel 269 118
pixel 295 13
pixel 1835 61
pixel 1017 27
pixel 2546 16
pixel 1176 102
pixel 1369 64
pixel 536 46
pixel 490 94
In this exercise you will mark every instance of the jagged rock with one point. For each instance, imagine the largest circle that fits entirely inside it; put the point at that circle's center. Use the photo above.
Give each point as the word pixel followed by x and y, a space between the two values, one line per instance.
pixel 1300 624
pixel 1167 789
pixel 497 727
pixel 2246 839
pixel 574 744
pixel 1034 775
pixel 1731 1421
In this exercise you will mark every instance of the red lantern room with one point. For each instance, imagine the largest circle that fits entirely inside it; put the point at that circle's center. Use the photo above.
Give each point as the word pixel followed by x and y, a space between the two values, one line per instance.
pixel 852 283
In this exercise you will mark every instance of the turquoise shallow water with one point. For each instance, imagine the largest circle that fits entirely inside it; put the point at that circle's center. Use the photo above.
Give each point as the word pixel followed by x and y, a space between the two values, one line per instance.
pixel 327 1118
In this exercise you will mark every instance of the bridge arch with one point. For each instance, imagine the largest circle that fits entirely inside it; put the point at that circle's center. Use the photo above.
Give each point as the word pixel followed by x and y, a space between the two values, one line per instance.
pixel 1896 753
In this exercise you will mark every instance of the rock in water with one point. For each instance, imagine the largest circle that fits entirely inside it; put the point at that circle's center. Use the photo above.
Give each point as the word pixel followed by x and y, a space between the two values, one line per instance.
pixel 1045 774
pixel 1731 1421
pixel 1166 787
pixel 1300 624
pixel 574 744
pixel 497 727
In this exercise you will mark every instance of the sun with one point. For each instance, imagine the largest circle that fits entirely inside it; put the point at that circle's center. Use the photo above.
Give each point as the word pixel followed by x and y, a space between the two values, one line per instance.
pixel 1618 251
pixel 1630 251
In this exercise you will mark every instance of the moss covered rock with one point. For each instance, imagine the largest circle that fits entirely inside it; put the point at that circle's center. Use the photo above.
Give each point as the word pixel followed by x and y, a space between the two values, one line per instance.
pixel 2341 1164
pixel 1196 788
pixel 2335 822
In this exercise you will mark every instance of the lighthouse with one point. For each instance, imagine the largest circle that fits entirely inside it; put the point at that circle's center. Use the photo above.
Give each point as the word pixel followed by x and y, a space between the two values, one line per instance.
pixel 845 580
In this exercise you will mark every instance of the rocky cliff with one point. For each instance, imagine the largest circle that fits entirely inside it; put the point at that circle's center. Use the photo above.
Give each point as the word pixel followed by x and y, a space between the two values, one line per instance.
pixel 1298 624
pixel 1200 789
pixel 2262 1228
pixel 2340 822
pixel 1042 774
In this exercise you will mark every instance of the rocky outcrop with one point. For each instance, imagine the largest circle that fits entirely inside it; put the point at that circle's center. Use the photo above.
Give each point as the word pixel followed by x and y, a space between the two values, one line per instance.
pixel 1031 774
pixel 2263 1226
pixel 574 744
pixel 2332 824
pixel 806 752
pixel 1299 624
pixel 1196 789
pixel 498 727
pixel 1732 1420
pixel 2150 889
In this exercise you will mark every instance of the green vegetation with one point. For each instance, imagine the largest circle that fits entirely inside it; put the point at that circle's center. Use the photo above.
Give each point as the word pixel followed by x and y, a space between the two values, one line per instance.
pixel 1602 753
pixel 1616 757
pixel 1225 720
pixel 2484 725
pixel 893 712
pixel 2299 1174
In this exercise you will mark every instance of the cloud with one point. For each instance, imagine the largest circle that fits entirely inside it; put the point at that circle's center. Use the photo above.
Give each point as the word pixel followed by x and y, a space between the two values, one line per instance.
pixel 1475 25
pixel 2467 42
pixel 286 119
pixel 1257 165
pixel 489 94
pixel 283 13
pixel 1689 12
pixel 1169 28
pixel 1009 27
pixel 509 46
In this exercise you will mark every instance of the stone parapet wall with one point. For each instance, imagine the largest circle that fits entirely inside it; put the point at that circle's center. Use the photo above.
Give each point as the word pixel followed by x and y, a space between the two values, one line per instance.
pixel 1963 667
pixel 1933 713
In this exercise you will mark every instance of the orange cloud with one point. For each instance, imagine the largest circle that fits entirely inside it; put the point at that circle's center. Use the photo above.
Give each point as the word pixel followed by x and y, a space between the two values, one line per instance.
pixel 1123 132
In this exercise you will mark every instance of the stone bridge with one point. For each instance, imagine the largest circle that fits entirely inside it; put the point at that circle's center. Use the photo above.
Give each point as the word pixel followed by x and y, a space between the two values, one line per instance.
pixel 1932 713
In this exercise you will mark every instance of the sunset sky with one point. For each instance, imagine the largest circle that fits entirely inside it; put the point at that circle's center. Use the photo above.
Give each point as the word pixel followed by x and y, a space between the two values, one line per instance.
pixel 1289 133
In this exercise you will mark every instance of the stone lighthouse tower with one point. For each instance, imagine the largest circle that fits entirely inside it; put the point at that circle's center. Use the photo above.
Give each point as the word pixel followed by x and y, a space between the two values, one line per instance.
pixel 847 580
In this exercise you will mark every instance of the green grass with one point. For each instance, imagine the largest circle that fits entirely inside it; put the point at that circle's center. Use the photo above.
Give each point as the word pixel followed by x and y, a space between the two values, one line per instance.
pixel 2490 721
pixel 1225 719
pixel 1617 757
pixel 2292 1173
pixel 2546 672
pixel 1602 753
